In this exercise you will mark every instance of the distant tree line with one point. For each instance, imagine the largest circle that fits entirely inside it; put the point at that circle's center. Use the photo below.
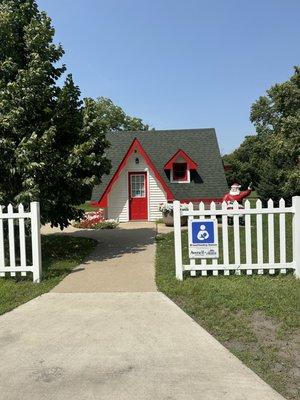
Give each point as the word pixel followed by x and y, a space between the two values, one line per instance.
pixel 271 157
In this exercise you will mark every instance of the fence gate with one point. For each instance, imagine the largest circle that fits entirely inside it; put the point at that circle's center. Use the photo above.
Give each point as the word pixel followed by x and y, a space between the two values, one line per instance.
pixel 17 254
pixel 251 240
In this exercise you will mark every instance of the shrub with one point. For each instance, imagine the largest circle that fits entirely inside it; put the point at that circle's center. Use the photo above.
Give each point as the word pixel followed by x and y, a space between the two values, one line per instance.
pixel 108 224
pixel 95 220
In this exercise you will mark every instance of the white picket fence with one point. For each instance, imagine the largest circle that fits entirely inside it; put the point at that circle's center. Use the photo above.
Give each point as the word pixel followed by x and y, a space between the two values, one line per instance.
pixel 231 252
pixel 17 257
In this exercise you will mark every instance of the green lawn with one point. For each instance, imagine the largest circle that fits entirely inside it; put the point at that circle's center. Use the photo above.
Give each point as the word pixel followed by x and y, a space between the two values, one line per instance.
pixel 255 317
pixel 60 254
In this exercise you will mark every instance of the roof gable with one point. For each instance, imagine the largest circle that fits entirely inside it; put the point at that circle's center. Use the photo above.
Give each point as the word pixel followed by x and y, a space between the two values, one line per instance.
pixel 135 145
pixel 180 153
pixel 160 146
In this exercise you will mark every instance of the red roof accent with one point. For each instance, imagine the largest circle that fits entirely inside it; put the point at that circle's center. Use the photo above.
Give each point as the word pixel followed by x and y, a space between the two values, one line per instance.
pixel 134 145
pixel 180 153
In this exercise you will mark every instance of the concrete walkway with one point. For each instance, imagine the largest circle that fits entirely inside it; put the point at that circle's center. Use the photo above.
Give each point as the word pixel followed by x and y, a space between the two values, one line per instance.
pixel 123 261
pixel 120 346
pixel 132 343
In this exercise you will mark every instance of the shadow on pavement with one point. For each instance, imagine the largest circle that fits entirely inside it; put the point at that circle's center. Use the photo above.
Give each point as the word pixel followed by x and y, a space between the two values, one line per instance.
pixel 115 242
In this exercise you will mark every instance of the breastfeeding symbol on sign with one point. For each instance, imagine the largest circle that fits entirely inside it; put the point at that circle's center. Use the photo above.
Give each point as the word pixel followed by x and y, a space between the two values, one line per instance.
pixel 202 234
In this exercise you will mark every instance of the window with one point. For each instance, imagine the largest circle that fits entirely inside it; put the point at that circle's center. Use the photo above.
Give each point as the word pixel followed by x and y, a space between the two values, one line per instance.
pixel 179 171
pixel 179 167
pixel 137 186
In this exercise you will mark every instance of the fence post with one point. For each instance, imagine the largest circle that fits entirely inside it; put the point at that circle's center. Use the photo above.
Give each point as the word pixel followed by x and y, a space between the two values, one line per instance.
pixel 36 241
pixel 296 235
pixel 177 240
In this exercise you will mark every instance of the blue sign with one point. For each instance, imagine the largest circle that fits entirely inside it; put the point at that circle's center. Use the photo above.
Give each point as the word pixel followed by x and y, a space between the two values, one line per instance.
pixel 203 238
pixel 203 232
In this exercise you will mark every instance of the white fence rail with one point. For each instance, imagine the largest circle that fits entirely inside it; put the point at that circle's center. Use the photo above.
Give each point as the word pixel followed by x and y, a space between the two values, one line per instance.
pixel 260 233
pixel 14 257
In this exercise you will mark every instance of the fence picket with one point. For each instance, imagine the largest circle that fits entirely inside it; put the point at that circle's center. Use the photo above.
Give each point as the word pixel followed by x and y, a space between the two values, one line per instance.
pixel 248 240
pixel 271 231
pixel 177 240
pixel 236 232
pixel 214 261
pixel 225 236
pixel 13 264
pixel 11 240
pixel 193 261
pixel 2 255
pixel 22 239
pixel 202 208
pixel 271 235
pixel 282 235
pixel 296 235
pixel 259 236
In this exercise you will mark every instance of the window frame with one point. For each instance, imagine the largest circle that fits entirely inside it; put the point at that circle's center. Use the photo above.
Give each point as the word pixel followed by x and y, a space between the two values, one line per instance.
pixel 174 176
pixel 135 183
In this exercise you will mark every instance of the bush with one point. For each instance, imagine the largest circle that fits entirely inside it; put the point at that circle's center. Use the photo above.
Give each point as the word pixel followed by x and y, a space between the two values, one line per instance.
pixel 95 220
pixel 109 224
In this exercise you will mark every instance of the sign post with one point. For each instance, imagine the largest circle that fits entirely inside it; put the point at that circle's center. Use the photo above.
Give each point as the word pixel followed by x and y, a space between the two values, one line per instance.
pixel 203 238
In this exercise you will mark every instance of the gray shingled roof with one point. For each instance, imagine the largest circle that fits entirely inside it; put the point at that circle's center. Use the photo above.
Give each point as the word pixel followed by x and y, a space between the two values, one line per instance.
pixel 200 144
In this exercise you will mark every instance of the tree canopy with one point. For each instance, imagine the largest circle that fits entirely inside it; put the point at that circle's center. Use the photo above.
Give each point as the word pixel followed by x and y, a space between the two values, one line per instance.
pixel 114 118
pixel 271 158
pixel 52 144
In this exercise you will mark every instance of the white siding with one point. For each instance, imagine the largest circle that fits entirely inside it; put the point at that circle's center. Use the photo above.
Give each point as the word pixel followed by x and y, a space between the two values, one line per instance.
pixel 157 196
pixel 118 197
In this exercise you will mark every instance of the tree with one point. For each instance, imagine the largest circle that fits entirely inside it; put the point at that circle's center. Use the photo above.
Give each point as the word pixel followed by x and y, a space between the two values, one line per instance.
pixel 276 118
pixel 271 157
pixel 243 162
pixel 52 145
pixel 114 118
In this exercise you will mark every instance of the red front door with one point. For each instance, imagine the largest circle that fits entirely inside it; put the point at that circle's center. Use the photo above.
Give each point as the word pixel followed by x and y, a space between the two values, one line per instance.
pixel 138 202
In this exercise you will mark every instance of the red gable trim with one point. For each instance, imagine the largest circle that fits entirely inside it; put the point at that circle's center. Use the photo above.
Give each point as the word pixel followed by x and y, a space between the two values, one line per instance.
pixel 134 145
pixel 180 153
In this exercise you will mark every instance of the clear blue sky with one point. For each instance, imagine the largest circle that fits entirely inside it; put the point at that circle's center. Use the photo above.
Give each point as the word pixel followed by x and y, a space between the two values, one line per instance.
pixel 180 63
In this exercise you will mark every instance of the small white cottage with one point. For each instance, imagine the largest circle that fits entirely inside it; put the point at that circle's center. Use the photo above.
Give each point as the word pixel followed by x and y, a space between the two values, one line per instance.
pixel 153 167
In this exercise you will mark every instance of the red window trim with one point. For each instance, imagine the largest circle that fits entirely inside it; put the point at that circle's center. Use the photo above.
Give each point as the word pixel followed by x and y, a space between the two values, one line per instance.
pixel 180 153
pixel 180 178
pixel 103 201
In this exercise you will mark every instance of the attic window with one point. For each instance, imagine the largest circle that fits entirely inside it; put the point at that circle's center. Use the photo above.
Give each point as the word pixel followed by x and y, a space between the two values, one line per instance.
pixel 180 172
pixel 180 157
pixel 180 166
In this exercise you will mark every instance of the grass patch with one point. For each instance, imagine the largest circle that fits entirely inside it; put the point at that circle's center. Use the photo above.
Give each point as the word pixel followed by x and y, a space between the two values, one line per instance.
pixel 60 255
pixel 255 317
